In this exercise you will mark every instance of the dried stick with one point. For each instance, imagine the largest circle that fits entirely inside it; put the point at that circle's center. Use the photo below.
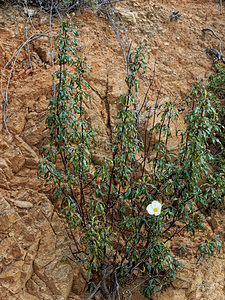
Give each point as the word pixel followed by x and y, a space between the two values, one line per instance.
pixel 219 53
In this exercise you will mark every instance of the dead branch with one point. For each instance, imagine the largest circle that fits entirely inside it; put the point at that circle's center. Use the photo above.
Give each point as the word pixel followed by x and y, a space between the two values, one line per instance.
pixel 213 51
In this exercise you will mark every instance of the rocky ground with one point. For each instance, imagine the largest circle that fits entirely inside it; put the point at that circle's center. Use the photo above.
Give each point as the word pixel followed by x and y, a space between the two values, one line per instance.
pixel 33 238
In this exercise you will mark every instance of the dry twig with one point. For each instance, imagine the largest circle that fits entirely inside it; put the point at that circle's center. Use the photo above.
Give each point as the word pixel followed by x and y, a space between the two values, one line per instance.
pixel 213 51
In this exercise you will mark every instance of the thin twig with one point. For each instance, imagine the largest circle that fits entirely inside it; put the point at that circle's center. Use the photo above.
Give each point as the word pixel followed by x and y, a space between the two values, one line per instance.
pixel 95 291
pixel 200 284
pixel 14 56
pixel 112 13
pixel 28 48
pixel 117 287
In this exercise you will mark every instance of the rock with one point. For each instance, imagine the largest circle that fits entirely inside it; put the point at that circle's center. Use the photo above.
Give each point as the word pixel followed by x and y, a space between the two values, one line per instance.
pixel 3 164
pixel 8 216
pixel 31 158
pixel 5 174
pixel 79 283
pixel 46 253
pixel 128 17
pixel 41 104
pixel 33 238
pixel 23 204
pixel 16 159
pixel 17 122
pixel 29 247
pixel 34 131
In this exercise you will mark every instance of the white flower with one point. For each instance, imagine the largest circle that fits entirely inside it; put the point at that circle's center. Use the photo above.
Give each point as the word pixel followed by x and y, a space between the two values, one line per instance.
pixel 154 208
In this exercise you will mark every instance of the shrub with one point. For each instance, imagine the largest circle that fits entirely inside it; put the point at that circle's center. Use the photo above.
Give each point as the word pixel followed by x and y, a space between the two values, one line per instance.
pixel 106 204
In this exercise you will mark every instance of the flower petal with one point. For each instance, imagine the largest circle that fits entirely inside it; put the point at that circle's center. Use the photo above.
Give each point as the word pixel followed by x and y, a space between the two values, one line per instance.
pixel 158 205
pixel 150 209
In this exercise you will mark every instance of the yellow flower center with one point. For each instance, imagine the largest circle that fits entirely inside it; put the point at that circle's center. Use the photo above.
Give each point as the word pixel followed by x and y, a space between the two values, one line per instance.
pixel 155 209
